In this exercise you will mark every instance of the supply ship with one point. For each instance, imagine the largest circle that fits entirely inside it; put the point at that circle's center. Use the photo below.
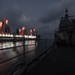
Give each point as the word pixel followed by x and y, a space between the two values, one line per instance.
pixel 20 32
pixel 66 31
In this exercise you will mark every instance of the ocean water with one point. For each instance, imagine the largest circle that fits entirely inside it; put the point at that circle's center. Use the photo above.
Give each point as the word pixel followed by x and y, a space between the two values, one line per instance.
pixel 32 48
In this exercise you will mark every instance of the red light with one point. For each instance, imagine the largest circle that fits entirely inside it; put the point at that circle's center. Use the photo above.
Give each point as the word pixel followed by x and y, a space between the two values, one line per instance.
pixel 0 25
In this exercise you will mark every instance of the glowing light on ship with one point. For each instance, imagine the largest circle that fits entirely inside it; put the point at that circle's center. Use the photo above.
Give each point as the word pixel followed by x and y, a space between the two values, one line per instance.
pixel 11 35
pixel 6 21
pixel 0 25
pixel 6 32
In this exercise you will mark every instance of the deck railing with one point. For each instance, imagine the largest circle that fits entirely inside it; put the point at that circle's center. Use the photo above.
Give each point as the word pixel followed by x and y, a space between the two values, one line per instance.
pixel 25 58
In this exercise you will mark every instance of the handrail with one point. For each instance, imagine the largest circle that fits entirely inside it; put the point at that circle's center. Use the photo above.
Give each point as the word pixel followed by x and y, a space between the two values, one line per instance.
pixel 36 49
pixel 10 59
pixel 10 47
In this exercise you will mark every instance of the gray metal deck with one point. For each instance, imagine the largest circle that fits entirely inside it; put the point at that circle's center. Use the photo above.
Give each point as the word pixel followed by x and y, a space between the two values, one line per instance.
pixel 60 60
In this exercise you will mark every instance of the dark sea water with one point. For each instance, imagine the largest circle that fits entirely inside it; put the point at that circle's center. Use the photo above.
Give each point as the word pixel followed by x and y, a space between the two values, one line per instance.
pixel 32 48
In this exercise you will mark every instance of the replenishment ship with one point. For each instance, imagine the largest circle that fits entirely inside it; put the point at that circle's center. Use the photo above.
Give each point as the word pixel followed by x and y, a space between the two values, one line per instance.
pixel 17 37
pixel 6 32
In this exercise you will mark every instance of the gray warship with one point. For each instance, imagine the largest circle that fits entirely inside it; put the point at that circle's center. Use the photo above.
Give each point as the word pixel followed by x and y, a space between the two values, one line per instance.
pixel 66 30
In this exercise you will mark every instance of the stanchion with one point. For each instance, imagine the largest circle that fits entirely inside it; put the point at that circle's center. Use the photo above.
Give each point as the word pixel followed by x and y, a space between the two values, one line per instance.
pixel 14 42
pixel 24 49
pixel 36 50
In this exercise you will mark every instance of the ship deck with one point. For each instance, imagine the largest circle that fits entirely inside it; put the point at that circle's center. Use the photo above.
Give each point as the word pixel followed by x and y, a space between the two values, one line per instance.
pixel 60 60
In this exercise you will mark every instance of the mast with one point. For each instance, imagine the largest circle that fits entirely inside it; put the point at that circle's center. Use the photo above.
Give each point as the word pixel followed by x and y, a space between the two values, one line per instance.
pixel 66 13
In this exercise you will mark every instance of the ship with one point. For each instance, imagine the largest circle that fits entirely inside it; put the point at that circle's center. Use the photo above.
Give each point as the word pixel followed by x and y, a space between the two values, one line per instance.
pixel 6 33
pixel 66 31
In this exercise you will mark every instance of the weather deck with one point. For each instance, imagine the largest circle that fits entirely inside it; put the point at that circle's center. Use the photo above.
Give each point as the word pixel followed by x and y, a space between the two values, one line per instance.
pixel 60 60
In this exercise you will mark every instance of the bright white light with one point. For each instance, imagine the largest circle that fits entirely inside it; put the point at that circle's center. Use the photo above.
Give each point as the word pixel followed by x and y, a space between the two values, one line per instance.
pixel 11 35
pixel 26 36
pixel 0 34
pixel 6 21
pixel 3 35
pixel 16 35
pixel 21 36
pixel 32 36
pixel 8 35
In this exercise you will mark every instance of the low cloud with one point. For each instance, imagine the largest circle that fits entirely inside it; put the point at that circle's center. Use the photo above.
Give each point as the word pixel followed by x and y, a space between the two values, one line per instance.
pixel 57 10
pixel 16 17
pixel 50 19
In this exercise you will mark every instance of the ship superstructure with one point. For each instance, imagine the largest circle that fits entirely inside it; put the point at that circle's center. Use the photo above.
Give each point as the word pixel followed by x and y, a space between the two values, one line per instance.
pixel 66 32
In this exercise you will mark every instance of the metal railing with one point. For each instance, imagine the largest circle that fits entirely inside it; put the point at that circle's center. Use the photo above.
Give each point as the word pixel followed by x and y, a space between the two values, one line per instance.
pixel 26 57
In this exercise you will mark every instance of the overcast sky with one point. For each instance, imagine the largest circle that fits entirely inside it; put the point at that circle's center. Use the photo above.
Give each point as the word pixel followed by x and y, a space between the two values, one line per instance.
pixel 43 15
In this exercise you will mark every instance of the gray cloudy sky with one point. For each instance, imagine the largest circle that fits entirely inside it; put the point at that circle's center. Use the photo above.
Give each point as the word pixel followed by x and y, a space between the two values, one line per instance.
pixel 43 15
